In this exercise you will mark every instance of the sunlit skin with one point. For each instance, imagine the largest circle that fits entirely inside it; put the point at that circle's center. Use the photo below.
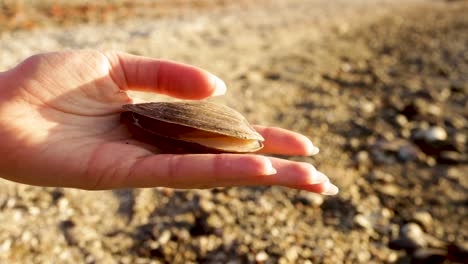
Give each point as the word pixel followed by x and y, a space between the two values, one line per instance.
pixel 59 126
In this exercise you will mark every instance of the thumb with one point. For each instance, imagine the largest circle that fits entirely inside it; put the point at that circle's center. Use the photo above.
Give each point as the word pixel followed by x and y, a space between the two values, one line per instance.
pixel 138 73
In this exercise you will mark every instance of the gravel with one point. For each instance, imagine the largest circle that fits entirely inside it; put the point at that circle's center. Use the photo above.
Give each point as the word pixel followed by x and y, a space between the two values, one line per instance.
pixel 380 86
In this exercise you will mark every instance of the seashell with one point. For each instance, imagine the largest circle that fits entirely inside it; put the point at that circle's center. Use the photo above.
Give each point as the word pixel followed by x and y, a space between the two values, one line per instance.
pixel 191 127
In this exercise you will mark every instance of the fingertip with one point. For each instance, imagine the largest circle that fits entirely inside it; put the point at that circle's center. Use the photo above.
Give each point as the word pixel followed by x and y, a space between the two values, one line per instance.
pixel 329 189
pixel 282 141
pixel 309 148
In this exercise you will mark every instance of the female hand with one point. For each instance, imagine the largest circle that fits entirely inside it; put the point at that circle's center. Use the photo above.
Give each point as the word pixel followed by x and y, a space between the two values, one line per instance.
pixel 59 126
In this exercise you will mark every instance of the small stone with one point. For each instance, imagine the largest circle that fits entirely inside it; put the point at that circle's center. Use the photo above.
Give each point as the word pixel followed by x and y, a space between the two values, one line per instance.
pixel 254 76
pixel 63 203
pixel 10 203
pixel 354 143
pixel 411 238
pixel 435 134
pixel 292 254
pixel 207 205
pixel 362 157
pixel 363 256
pixel 454 173
pixel 392 257
pixel 430 161
pixel 261 257
pixel 5 246
pixel 309 198
pixel 434 110
pixel 411 230
pixel 381 176
pixel 460 139
pixel 451 157
pixel 164 237
pixel 401 120
pixel 422 218
pixel 346 67
pixel 390 189
pixel 408 152
pixel 367 107
pixel 363 222
pixel 34 210
pixel 405 133
pixel 214 221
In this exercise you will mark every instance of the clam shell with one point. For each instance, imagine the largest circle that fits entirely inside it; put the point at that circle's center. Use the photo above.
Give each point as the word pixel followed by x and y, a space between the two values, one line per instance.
pixel 192 127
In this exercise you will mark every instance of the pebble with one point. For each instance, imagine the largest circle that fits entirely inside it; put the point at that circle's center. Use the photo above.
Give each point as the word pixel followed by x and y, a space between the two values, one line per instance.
pixel 164 237
pixel 292 254
pixel 390 189
pixel 354 143
pixel 254 76
pixel 401 120
pixel 363 222
pixel 261 257
pixel 454 173
pixel 309 198
pixel 367 107
pixel 381 176
pixel 214 221
pixel 451 157
pixel 460 139
pixel 411 238
pixel 5 246
pixel 408 152
pixel 422 218
pixel 206 205
pixel 363 256
pixel 434 110
pixel 34 210
pixel 435 134
pixel 362 157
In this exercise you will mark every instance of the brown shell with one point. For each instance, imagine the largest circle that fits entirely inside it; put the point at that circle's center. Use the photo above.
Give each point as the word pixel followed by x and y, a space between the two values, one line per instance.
pixel 201 115
pixel 166 125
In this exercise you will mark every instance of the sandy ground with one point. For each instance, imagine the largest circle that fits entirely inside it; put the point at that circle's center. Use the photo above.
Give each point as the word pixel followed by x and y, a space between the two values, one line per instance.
pixel 379 85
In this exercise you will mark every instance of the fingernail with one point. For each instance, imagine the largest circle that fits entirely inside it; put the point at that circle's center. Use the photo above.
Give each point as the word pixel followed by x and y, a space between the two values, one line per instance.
pixel 220 86
pixel 330 189
pixel 314 150
pixel 311 149
pixel 318 178
pixel 269 168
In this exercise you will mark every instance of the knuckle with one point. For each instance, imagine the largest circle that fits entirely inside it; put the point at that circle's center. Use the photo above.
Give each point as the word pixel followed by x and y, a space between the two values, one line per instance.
pixel 303 168
pixel 259 164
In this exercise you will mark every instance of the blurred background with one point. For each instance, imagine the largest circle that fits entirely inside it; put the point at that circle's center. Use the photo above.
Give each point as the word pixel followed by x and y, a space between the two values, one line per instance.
pixel 379 85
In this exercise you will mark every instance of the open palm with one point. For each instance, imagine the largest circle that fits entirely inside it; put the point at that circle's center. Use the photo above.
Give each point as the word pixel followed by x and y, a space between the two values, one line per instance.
pixel 59 126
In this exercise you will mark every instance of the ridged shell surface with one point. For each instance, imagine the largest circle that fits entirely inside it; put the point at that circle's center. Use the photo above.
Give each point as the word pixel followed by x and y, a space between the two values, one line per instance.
pixel 200 115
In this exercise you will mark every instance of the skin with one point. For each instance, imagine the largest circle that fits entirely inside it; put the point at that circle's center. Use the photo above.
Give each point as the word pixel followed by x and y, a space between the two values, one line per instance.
pixel 59 126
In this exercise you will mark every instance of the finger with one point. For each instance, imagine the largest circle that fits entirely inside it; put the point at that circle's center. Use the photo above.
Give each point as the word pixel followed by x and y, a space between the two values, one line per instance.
pixel 326 188
pixel 285 142
pixel 297 175
pixel 165 77
pixel 196 170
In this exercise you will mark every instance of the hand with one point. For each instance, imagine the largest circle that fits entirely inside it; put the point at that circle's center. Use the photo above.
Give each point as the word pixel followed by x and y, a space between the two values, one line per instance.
pixel 59 126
